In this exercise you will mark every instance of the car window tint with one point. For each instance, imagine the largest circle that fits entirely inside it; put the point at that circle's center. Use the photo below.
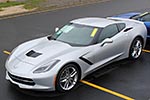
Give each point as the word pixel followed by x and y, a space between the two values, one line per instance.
pixel 108 32
pixel 145 18
pixel 121 26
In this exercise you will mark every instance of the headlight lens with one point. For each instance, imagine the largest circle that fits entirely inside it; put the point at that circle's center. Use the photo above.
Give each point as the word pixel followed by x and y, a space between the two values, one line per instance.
pixel 46 67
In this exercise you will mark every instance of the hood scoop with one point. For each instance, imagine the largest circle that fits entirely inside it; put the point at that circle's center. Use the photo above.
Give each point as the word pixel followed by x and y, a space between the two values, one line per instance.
pixel 33 54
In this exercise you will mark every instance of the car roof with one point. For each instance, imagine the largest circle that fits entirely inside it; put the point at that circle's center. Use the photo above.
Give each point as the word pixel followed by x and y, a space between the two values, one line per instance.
pixel 94 21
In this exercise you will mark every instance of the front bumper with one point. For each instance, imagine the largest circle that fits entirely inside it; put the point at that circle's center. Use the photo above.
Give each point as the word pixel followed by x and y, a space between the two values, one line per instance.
pixel 39 84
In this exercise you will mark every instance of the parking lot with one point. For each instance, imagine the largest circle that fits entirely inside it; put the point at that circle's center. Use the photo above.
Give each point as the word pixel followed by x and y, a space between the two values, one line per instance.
pixel 123 80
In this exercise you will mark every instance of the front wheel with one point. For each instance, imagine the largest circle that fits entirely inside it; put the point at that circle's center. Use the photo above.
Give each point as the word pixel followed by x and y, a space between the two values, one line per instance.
pixel 67 78
pixel 136 48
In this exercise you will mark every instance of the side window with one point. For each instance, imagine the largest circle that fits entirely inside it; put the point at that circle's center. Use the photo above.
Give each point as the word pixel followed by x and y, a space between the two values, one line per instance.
pixel 145 18
pixel 108 32
pixel 121 26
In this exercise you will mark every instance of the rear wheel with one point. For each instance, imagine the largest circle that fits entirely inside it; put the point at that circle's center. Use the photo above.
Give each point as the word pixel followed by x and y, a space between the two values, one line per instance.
pixel 136 48
pixel 67 78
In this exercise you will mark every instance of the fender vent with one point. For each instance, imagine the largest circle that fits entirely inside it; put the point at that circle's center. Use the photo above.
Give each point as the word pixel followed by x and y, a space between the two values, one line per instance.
pixel 128 29
pixel 86 60
pixel 33 54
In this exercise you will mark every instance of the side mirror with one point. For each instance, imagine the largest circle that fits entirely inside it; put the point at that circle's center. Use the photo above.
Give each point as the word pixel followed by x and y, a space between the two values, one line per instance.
pixel 107 40
pixel 56 29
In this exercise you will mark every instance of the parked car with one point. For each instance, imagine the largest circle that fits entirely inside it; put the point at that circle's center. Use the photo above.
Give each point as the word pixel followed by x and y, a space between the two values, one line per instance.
pixel 59 61
pixel 144 17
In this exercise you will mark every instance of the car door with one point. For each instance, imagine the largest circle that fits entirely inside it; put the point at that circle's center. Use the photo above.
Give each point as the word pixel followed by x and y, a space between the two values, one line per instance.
pixel 146 20
pixel 108 51
pixel 111 45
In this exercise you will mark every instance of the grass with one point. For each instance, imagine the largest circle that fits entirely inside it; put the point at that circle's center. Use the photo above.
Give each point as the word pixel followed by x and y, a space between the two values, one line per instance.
pixel 1 9
pixel 30 4
pixel 9 4
pixel 34 4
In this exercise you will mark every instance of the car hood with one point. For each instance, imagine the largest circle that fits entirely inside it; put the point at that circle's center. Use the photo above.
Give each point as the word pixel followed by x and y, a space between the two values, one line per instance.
pixel 44 51
pixel 38 52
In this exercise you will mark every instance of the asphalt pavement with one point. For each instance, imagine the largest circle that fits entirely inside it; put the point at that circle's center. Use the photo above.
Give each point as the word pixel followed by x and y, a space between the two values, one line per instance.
pixel 129 78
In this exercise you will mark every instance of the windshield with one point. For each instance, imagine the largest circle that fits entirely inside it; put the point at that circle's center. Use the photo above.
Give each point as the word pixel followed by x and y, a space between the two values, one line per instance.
pixel 76 34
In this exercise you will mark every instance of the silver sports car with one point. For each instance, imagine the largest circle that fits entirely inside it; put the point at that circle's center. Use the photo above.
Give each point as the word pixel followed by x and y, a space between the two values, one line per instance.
pixel 59 61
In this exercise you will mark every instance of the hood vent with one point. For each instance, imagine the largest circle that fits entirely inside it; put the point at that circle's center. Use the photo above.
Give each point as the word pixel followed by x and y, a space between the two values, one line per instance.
pixel 33 54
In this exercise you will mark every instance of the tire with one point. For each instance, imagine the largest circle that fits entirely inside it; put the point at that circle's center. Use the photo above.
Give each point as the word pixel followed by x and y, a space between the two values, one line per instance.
pixel 136 49
pixel 67 78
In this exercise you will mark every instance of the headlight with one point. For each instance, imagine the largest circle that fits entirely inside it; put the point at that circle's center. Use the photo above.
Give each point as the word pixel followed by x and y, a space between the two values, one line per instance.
pixel 46 67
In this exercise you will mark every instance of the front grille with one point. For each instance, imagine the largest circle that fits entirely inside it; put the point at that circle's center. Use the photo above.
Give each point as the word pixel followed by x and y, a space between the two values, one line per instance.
pixel 22 80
